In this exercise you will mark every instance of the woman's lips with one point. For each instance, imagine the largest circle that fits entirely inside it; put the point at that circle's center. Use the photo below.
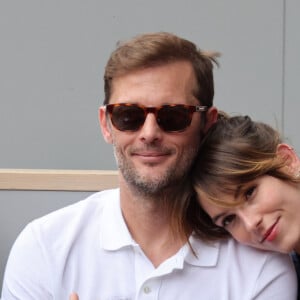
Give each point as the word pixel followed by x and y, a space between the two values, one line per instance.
pixel 271 233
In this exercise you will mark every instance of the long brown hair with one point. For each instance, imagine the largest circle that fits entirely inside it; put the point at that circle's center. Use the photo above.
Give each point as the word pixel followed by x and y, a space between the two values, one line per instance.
pixel 235 151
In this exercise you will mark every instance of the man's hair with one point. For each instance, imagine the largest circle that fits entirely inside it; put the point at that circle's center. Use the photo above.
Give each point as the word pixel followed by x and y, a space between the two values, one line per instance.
pixel 155 49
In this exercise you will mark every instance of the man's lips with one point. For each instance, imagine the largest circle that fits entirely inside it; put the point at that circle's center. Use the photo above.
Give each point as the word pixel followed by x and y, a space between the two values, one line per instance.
pixel 150 154
pixel 153 157
pixel 271 233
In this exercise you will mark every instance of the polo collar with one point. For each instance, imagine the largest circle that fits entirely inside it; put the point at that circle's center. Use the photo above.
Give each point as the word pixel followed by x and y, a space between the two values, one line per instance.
pixel 115 235
pixel 205 254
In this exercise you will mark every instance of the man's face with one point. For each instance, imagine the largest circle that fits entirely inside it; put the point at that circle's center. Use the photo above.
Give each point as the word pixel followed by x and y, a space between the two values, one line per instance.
pixel 151 159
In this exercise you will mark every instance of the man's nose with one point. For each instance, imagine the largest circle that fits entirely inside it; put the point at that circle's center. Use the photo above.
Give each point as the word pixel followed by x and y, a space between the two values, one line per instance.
pixel 150 130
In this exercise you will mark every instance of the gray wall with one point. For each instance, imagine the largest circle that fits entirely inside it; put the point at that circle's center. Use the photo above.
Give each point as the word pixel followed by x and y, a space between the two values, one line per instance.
pixel 52 56
pixel 53 53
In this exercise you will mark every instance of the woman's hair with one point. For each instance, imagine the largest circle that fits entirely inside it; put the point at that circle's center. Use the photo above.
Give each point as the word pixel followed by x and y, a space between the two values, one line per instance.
pixel 155 49
pixel 187 216
pixel 235 151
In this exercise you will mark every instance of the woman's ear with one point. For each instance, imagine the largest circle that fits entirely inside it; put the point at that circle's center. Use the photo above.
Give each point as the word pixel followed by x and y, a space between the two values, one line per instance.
pixel 105 126
pixel 290 158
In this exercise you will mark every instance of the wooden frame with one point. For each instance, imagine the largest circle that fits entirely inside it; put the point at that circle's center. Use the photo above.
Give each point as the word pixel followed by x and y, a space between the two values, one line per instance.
pixel 57 180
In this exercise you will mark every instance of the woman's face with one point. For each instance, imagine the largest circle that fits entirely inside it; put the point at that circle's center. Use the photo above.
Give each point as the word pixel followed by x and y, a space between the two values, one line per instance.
pixel 267 218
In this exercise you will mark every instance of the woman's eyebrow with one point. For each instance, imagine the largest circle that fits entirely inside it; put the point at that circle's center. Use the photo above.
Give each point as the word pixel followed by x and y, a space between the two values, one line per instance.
pixel 217 217
pixel 238 191
pixel 236 195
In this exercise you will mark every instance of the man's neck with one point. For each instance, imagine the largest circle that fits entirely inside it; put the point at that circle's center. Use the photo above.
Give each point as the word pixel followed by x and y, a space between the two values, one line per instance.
pixel 149 225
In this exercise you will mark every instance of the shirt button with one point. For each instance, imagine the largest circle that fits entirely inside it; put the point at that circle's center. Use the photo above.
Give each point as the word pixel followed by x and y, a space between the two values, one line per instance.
pixel 147 290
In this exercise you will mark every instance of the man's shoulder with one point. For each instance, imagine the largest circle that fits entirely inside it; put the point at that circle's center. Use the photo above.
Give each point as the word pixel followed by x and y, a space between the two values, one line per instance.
pixel 93 202
pixel 252 258
pixel 74 217
pixel 234 248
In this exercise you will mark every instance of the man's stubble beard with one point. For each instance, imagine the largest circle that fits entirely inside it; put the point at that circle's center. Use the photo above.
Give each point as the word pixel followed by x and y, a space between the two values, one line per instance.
pixel 155 187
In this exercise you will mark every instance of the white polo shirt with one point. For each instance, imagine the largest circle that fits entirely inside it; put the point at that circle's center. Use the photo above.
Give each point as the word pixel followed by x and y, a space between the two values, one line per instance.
pixel 87 248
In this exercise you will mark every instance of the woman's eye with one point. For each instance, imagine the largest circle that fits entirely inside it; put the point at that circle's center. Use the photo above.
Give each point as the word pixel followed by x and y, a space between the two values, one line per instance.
pixel 249 192
pixel 228 220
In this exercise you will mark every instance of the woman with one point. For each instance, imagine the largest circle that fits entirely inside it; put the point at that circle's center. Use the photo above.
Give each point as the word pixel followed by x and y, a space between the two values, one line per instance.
pixel 248 182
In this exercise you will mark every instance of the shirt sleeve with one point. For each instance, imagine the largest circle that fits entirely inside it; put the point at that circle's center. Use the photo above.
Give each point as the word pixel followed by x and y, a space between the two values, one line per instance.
pixel 277 279
pixel 27 271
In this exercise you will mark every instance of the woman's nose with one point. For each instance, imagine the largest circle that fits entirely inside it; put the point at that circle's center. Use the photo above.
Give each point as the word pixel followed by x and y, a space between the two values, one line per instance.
pixel 251 220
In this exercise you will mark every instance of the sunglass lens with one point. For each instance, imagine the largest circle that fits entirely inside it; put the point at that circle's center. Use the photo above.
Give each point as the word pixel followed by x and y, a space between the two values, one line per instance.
pixel 174 118
pixel 127 117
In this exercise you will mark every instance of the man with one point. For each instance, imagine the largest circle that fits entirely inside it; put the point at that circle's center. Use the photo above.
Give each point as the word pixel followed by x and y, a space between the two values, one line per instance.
pixel 136 242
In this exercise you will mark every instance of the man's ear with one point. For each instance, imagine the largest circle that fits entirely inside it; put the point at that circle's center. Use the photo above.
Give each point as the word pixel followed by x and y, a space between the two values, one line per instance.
pixel 211 118
pixel 105 126
pixel 290 159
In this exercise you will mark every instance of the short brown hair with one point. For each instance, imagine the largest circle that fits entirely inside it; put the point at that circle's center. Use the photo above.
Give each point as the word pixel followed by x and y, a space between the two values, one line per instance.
pixel 153 49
